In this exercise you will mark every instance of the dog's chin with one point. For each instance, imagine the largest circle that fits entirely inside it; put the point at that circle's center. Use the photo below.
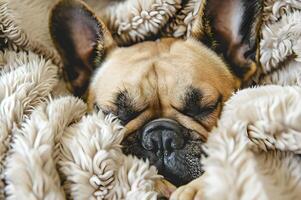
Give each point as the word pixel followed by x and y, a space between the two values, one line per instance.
pixel 180 166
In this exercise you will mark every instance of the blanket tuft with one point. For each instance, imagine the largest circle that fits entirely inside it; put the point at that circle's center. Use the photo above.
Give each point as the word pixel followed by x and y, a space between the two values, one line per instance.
pixel 256 147
pixel 280 44
pixel 135 21
pixel 26 80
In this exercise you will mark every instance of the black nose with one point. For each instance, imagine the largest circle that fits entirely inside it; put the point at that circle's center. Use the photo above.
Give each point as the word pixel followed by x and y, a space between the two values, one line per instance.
pixel 162 136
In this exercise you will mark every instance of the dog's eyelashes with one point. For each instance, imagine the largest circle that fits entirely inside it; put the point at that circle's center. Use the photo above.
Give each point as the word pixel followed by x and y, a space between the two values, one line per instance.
pixel 197 111
pixel 126 115
pixel 200 113
pixel 193 106
pixel 123 115
pixel 126 107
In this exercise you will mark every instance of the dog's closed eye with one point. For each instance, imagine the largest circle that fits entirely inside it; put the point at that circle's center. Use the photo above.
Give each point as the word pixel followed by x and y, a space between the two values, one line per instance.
pixel 194 105
pixel 125 108
pixel 200 111
pixel 126 115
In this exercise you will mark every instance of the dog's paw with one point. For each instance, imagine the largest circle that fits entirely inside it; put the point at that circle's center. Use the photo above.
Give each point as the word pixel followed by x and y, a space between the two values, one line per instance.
pixel 164 188
pixel 191 191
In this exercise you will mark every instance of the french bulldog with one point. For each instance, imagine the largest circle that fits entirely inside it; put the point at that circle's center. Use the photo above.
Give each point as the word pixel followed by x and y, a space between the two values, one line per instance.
pixel 168 93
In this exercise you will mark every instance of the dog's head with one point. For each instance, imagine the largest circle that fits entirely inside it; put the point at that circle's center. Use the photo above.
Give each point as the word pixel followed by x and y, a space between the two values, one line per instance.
pixel 167 93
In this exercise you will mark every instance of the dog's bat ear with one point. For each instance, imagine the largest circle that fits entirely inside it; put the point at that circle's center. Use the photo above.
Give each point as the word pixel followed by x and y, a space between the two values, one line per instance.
pixel 230 28
pixel 81 39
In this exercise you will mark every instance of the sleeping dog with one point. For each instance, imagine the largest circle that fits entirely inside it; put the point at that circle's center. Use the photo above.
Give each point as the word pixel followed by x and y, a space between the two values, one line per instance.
pixel 168 93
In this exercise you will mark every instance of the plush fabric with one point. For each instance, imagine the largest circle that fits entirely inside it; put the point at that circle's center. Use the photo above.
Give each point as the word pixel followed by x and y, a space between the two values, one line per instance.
pixel 130 21
pixel 280 45
pixel 51 148
pixel 253 152
pixel 45 139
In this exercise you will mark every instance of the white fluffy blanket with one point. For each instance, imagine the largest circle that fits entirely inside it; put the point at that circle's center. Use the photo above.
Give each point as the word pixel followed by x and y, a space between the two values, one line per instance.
pixel 50 148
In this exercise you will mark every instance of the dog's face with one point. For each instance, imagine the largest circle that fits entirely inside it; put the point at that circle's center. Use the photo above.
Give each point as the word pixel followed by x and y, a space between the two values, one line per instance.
pixel 167 93
pixel 175 79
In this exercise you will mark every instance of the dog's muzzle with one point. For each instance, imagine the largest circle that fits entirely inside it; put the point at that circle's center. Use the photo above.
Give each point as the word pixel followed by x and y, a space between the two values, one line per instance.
pixel 172 148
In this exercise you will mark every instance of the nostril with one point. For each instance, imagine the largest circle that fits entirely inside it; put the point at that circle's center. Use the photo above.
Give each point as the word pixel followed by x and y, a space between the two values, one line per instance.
pixel 167 145
pixel 172 141
pixel 151 141
pixel 177 143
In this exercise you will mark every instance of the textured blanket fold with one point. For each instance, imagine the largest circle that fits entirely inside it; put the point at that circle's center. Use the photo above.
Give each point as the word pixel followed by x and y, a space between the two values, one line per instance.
pixel 51 139
pixel 26 81
pixel 254 148
pixel 280 45
pixel 51 148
